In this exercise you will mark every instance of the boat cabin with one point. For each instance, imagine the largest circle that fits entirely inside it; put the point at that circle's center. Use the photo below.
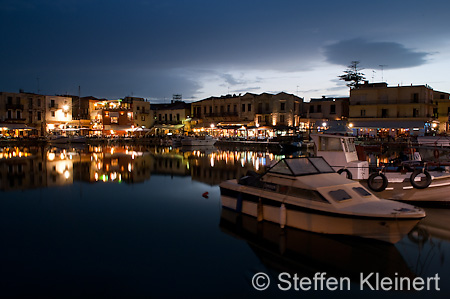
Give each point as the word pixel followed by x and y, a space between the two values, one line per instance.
pixel 340 152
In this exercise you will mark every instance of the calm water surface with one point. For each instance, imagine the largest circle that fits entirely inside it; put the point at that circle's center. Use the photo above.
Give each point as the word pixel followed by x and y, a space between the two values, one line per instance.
pixel 136 221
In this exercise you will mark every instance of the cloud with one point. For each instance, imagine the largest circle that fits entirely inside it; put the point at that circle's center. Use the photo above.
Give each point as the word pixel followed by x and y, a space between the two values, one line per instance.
pixel 373 54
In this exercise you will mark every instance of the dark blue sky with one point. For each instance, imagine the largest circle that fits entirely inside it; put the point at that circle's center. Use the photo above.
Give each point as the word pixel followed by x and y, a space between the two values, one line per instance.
pixel 201 48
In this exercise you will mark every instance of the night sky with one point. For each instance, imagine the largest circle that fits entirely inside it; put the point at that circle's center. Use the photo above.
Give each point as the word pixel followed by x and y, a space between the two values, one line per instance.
pixel 200 48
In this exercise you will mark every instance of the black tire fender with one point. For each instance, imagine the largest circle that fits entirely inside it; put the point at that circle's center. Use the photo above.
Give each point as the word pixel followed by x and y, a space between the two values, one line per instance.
pixel 416 173
pixel 347 172
pixel 370 182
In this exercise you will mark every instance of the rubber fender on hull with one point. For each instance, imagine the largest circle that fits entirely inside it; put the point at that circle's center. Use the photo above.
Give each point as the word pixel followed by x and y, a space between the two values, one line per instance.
pixel 371 182
pixel 413 176
pixel 347 172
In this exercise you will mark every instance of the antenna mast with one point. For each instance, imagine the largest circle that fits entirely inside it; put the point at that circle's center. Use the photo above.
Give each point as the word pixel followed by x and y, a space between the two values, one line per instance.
pixel 382 74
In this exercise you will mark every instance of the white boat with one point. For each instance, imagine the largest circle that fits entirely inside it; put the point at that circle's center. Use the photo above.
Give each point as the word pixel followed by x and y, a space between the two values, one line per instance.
pixel 414 184
pixel 176 141
pixel 306 193
pixel 198 141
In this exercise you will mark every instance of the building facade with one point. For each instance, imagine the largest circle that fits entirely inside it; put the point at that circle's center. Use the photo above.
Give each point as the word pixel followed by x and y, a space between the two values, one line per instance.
pixel 22 114
pixel 58 113
pixel 142 116
pixel 377 109
pixel 442 99
pixel 234 115
pixel 320 112
pixel 172 118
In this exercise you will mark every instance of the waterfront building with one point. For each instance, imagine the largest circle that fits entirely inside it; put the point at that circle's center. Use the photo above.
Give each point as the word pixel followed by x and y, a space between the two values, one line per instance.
pixel 111 118
pixel 171 118
pixel 58 114
pixel 379 110
pixel 81 113
pixel 22 114
pixel 320 112
pixel 249 115
pixel 442 99
pixel 142 117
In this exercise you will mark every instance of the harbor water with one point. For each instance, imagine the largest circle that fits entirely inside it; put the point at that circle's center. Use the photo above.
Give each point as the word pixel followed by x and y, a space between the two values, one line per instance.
pixel 147 221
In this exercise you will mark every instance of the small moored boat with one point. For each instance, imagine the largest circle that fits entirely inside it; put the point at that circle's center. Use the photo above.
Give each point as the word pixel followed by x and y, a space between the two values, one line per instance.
pixel 414 183
pixel 306 193
pixel 198 141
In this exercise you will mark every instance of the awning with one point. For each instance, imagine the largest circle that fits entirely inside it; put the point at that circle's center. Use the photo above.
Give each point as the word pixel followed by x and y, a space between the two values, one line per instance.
pixel 117 127
pixel 140 129
pixel 282 128
pixel 389 124
pixel 15 127
pixel 168 127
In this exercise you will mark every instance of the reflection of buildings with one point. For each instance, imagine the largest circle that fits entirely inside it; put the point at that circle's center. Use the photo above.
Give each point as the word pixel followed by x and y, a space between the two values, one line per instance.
pixel 21 169
pixel 59 168
pixel 26 168
pixel 169 162
pixel 219 166
pixel 118 164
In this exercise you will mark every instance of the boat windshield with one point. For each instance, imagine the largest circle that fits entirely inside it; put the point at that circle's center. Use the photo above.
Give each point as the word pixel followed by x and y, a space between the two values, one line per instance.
pixel 302 166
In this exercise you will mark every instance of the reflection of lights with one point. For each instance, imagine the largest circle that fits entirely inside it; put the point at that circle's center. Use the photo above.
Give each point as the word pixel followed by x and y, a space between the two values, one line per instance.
pixel 51 156
pixel 212 161
pixel 66 174
pixel 129 167
pixel 96 176
pixel 61 156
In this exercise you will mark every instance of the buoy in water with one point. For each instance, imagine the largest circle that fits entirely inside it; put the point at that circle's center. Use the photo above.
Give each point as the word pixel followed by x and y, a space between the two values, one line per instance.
pixel 205 195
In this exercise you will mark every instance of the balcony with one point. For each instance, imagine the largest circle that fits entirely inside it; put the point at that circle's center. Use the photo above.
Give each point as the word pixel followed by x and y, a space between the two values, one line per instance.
pixel 169 122
pixel 14 107
pixel 53 106
pixel 222 114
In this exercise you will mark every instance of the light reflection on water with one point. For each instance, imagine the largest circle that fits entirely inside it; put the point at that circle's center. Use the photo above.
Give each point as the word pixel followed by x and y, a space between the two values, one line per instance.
pixel 34 167
pixel 133 221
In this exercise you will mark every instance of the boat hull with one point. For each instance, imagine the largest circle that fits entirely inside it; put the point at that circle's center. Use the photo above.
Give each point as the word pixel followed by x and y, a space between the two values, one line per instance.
pixel 65 139
pixel 399 188
pixel 387 229
pixel 198 142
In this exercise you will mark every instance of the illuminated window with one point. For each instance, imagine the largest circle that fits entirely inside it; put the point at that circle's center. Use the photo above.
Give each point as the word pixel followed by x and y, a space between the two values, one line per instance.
pixel 114 120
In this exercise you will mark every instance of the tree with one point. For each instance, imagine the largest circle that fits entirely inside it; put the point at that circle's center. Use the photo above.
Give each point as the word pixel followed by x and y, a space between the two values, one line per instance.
pixel 353 75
